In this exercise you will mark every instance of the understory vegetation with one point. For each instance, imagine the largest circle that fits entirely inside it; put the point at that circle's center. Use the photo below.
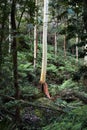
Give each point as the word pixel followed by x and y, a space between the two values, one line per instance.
pixel 66 111
pixel 43 65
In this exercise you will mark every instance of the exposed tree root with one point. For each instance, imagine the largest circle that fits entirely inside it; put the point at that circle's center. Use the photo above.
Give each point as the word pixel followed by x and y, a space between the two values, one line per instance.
pixel 45 90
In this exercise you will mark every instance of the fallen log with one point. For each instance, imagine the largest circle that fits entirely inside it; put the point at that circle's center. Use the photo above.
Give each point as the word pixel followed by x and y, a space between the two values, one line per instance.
pixel 81 95
pixel 72 95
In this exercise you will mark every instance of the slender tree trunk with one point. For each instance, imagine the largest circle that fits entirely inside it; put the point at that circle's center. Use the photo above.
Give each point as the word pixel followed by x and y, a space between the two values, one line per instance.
pixel 0 58
pixel 40 37
pixel 76 53
pixel 22 14
pixel 14 47
pixel 85 14
pixel 85 56
pixel 2 27
pixel 77 40
pixel 35 45
pixel 55 44
pixel 44 54
pixel 85 60
pixel 1 52
pixel 85 24
pixel 10 42
pixel 65 45
pixel 35 38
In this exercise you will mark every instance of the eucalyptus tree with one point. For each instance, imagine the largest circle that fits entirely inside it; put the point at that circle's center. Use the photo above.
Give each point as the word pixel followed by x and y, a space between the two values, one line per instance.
pixel 37 26
pixel 59 14
pixel 69 12
pixel 35 37
pixel 9 22
pixel 44 54
pixel 55 44
pixel 10 37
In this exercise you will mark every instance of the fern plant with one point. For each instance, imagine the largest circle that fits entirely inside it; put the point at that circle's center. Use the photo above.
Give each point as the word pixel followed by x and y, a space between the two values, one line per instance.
pixel 74 120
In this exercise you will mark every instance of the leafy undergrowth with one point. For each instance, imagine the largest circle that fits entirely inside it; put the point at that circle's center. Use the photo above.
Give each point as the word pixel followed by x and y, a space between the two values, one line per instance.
pixel 74 120
pixel 63 112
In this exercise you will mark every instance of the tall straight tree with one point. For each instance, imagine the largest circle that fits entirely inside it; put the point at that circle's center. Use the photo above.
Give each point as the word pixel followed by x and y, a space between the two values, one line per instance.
pixel 77 41
pixel 9 22
pixel 65 45
pixel 14 48
pixel 85 14
pixel 9 33
pixel 44 54
pixel 3 18
pixel 35 37
pixel 55 44
pixel 85 24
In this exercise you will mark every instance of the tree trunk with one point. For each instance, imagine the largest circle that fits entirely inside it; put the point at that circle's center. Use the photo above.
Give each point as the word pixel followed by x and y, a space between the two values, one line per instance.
pixel 10 42
pixel 14 48
pixel 85 14
pixel 77 40
pixel 55 44
pixel 2 27
pixel 35 45
pixel 22 14
pixel 0 53
pixel 0 60
pixel 35 38
pixel 65 45
pixel 44 54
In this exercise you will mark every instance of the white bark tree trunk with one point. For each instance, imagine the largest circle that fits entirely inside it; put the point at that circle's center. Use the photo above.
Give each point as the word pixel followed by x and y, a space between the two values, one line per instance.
pixel 85 57
pixel 85 60
pixel 44 54
pixel 65 45
pixel 10 41
pixel 35 39
pixel 55 44
pixel 35 45
pixel 77 40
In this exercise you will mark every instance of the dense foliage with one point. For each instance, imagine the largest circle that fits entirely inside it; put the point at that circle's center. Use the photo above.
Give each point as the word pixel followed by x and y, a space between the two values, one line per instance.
pixel 23 105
